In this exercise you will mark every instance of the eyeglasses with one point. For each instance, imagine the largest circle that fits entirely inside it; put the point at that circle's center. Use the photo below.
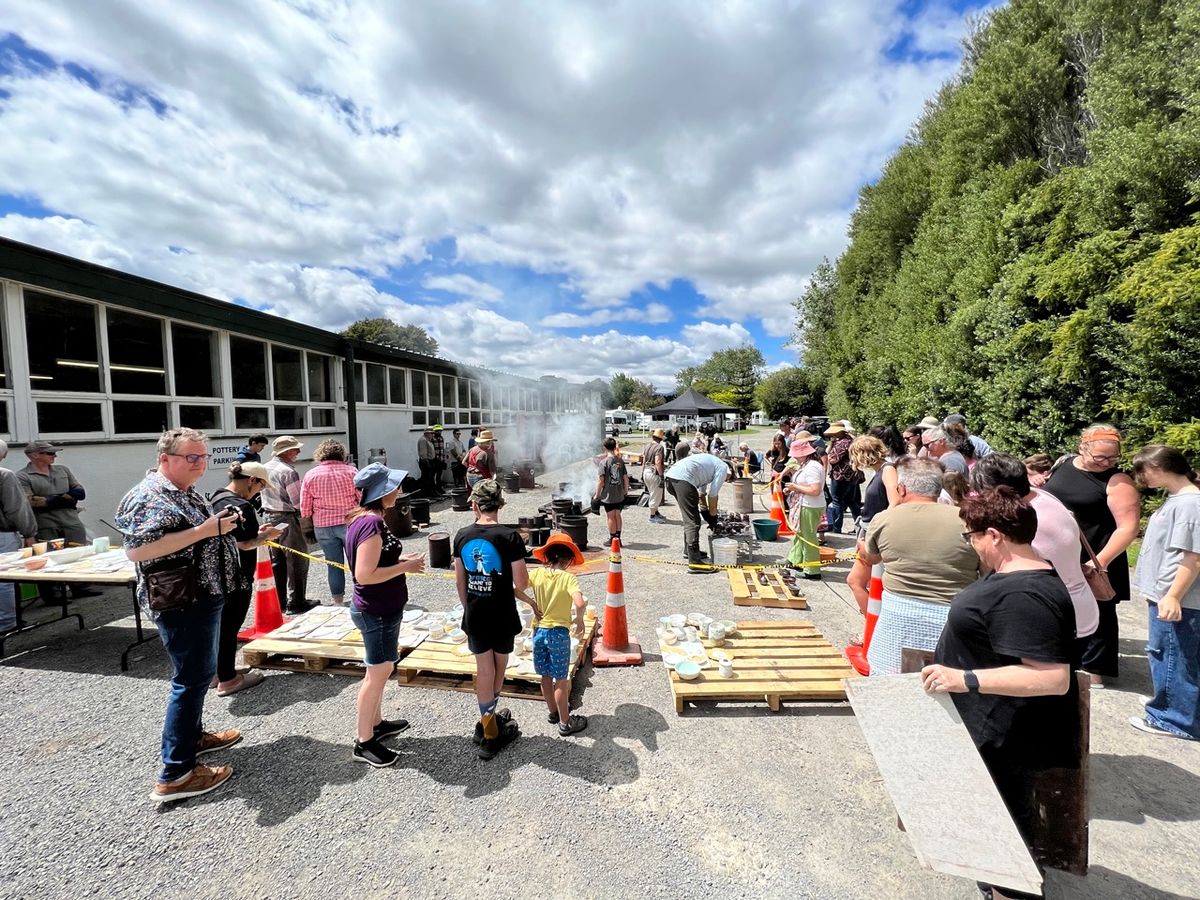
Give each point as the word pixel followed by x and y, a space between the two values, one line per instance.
pixel 966 535
pixel 1104 457
pixel 48 453
pixel 193 458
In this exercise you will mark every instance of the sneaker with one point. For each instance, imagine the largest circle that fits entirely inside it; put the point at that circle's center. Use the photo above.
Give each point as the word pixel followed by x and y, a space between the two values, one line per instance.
pixel 509 731
pixel 504 714
pixel 1140 723
pixel 374 754
pixel 200 780
pixel 389 728
pixel 699 568
pixel 552 717
pixel 813 576
pixel 573 725
pixel 1144 699
pixel 211 741
pixel 659 520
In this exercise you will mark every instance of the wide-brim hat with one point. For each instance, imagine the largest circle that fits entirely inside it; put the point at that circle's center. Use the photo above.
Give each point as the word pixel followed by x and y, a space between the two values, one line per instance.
pixel 561 539
pixel 485 437
pixel 284 443
pixel 928 422
pixel 804 436
pixel 801 449
pixel 377 480
pixel 658 433
pixel 835 428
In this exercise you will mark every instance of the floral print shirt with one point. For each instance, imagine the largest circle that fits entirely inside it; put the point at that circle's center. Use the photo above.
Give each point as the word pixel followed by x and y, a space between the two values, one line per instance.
pixel 155 507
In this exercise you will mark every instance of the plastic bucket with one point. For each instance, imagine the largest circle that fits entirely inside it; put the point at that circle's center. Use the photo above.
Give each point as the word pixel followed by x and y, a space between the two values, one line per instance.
pixel 439 550
pixel 765 529
pixel 724 552
pixel 420 511
pixel 743 495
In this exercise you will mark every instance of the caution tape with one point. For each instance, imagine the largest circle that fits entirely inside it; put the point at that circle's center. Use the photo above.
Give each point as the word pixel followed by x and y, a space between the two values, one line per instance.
pixel 346 568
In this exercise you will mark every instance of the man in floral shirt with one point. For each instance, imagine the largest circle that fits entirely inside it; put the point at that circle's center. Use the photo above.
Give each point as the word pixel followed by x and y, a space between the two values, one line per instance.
pixel 165 518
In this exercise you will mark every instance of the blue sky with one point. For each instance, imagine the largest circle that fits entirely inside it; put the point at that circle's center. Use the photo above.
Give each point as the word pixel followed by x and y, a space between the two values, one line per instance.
pixel 562 190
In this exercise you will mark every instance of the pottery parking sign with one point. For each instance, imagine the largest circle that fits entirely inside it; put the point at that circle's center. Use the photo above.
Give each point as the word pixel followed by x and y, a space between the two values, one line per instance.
pixel 222 454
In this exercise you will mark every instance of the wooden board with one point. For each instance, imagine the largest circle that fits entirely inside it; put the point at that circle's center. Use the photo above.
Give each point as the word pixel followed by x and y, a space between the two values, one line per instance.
pixel 772 662
pixel 443 667
pixel 749 591
pixel 956 820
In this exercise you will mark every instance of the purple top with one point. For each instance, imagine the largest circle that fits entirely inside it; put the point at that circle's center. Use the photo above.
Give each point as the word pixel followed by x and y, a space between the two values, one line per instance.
pixel 389 597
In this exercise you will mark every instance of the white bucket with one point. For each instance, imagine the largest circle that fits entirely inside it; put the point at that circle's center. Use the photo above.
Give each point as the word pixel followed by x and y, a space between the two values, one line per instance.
pixel 725 552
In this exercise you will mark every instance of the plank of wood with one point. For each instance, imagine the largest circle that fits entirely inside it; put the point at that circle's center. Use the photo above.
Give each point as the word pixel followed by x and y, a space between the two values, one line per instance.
pixel 951 810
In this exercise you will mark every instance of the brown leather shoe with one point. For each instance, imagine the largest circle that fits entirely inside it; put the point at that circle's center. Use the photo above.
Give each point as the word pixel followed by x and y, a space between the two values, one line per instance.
pixel 212 741
pixel 200 780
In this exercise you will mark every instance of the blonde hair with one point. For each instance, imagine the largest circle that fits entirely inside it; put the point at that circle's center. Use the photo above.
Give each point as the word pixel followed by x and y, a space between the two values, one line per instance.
pixel 1100 431
pixel 169 441
pixel 867 452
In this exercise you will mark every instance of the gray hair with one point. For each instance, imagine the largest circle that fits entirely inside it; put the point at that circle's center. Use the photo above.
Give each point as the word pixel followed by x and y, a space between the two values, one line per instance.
pixel 170 440
pixel 933 434
pixel 921 476
pixel 3 449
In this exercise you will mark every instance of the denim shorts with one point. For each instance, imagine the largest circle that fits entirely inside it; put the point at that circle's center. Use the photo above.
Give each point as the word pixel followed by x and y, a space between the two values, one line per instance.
pixel 552 652
pixel 381 635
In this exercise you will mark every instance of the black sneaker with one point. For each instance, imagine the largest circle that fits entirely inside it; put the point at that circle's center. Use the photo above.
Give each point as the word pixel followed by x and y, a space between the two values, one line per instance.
pixel 508 733
pixel 552 717
pixel 374 754
pixel 698 567
pixel 502 715
pixel 813 576
pixel 390 728
pixel 573 725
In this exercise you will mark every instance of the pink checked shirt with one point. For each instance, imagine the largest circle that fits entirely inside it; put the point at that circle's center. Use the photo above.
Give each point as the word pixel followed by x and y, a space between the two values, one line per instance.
pixel 328 493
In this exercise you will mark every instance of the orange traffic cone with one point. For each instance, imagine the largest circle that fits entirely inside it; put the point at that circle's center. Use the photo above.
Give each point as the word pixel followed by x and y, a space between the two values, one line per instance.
pixel 616 647
pixel 777 512
pixel 267 614
pixel 858 655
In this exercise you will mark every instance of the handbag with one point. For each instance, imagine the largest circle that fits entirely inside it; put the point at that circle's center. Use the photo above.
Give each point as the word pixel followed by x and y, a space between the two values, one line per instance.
pixel 171 584
pixel 1096 577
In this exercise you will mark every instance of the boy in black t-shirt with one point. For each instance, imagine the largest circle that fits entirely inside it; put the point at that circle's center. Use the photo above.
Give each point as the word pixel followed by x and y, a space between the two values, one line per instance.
pixel 489 567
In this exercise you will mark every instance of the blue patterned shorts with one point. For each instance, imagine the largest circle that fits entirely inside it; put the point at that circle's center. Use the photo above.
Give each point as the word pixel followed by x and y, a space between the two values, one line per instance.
pixel 552 652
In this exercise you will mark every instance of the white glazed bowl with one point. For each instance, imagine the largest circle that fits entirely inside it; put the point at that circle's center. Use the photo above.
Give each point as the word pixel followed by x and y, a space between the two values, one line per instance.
pixel 687 670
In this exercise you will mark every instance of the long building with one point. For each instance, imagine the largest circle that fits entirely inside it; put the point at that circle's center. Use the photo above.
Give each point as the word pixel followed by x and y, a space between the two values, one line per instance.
pixel 101 362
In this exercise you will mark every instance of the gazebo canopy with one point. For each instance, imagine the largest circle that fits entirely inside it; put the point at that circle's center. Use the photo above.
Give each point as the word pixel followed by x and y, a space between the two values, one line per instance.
pixel 690 403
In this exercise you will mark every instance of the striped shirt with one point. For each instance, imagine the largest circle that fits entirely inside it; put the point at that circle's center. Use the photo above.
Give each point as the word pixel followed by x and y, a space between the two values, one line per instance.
pixel 327 493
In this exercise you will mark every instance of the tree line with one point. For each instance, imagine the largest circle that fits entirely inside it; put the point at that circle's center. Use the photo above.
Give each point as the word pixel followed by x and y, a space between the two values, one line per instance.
pixel 1030 256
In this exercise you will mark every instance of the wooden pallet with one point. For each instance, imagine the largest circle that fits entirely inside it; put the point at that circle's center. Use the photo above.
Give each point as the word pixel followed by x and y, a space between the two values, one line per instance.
pixel 443 667
pixel 330 657
pixel 748 591
pixel 772 661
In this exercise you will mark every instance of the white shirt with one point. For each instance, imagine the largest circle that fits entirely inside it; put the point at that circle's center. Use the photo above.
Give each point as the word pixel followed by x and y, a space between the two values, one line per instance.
pixel 1057 542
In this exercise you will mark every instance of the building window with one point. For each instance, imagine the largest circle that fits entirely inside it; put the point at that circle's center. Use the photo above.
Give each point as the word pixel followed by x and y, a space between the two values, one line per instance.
pixel 139 417
pixel 247 417
pixel 418 390
pixel 322 418
pixel 287 371
pixel 449 417
pixel 248 362
pixel 434 394
pixel 320 379
pixel 419 417
pixel 396 386
pixel 376 383
pixel 194 351
pixel 61 336
pixel 204 418
pixel 69 418
pixel 136 361
pixel 289 418
pixel 464 394
pixel 475 404
pixel 4 417
pixel 360 383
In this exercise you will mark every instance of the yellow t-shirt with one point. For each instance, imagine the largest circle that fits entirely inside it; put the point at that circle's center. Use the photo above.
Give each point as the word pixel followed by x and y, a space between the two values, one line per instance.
pixel 553 588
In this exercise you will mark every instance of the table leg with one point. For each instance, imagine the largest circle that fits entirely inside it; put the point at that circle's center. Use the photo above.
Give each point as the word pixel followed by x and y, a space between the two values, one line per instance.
pixel 22 627
pixel 141 637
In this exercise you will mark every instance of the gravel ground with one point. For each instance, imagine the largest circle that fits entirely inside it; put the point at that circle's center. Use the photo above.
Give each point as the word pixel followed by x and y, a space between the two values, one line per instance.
pixel 726 799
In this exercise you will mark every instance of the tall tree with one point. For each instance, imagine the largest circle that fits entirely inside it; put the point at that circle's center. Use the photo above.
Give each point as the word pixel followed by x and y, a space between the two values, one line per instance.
pixel 790 390
pixel 622 387
pixel 385 331
pixel 736 369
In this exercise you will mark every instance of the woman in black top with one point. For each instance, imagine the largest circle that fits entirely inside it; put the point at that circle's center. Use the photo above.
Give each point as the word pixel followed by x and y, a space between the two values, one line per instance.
pixel 1005 654
pixel 777 457
pixel 1105 503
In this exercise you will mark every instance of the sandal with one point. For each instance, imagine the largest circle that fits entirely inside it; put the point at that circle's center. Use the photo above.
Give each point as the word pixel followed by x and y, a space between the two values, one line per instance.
pixel 244 682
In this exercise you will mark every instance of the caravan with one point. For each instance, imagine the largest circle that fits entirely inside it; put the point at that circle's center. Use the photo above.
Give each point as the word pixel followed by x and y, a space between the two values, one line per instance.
pixel 620 420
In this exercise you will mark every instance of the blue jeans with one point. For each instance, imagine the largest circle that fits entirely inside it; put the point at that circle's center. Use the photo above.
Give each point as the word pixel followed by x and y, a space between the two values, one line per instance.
pixel 190 637
pixel 380 634
pixel 1174 655
pixel 9 541
pixel 332 539
pixel 846 498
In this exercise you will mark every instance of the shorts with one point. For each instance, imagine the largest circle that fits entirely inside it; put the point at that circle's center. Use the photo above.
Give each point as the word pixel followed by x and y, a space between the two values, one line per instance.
pixel 552 652
pixel 380 634
pixel 490 642
pixel 610 507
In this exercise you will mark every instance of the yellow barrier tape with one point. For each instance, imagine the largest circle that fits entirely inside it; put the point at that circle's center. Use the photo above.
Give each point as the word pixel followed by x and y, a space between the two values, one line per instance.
pixel 346 568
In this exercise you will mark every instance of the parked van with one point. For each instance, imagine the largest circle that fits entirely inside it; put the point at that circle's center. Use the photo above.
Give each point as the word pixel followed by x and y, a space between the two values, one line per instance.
pixel 621 420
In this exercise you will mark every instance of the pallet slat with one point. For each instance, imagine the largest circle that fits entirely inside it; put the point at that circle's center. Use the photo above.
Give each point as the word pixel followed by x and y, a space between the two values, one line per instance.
pixel 773 662
pixel 776 594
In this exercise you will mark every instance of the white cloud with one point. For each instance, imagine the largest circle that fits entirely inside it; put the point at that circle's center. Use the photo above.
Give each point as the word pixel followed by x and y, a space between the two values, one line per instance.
pixel 723 144
pixel 464 286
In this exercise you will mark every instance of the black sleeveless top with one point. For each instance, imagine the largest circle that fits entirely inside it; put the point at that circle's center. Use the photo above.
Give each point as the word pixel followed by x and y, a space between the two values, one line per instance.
pixel 1085 494
pixel 876 499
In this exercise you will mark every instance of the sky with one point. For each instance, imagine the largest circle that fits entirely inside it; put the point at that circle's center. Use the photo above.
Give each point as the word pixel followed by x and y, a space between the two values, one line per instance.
pixel 574 189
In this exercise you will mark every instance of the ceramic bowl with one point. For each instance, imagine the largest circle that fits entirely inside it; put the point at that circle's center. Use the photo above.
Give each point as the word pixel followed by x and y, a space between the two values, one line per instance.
pixel 670 638
pixel 687 670
pixel 695 618
pixel 730 628
pixel 677 621
pixel 457 635
pixel 437 631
